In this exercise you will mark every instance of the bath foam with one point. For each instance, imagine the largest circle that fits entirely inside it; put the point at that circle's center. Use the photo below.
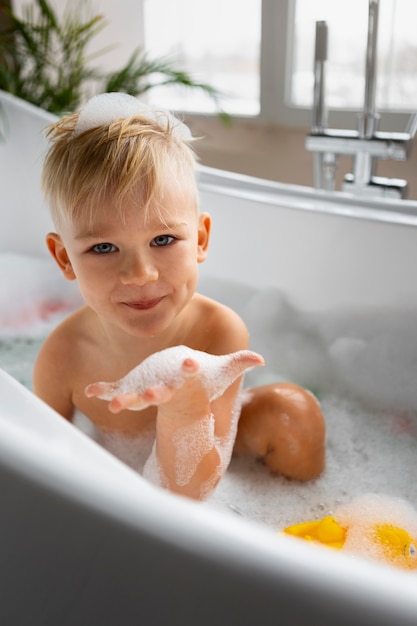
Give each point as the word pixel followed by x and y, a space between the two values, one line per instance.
pixel 370 354
pixel 367 451
pixel 18 354
pixel 134 451
pixel 369 403
pixel 192 443
pixel 106 108
pixel 152 470
pixel 137 452
pixel 373 526
pixel 224 447
pixel 368 515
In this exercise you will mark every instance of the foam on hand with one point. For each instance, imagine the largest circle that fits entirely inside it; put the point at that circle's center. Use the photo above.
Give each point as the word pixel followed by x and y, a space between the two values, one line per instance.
pixel 192 443
pixel 165 369
pixel 106 108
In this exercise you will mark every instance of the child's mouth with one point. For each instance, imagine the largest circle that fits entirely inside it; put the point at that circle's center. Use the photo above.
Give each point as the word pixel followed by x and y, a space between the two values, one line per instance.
pixel 143 305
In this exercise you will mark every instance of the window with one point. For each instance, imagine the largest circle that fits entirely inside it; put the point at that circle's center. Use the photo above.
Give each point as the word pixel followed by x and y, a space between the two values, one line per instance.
pixel 272 76
pixel 345 67
pixel 218 42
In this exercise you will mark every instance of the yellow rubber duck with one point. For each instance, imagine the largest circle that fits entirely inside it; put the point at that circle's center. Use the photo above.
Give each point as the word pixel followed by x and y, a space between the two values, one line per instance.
pixel 374 526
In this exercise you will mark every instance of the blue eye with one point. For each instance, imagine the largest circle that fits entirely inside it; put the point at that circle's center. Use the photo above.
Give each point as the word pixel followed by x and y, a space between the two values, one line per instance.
pixel 162 240
pixel 104 248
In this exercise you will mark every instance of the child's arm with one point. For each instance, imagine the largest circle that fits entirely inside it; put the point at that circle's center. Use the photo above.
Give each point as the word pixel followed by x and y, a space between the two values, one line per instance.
pixel 197 398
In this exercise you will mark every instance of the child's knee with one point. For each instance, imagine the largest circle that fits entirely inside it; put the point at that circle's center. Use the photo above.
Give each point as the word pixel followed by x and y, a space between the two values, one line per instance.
pixel 283 424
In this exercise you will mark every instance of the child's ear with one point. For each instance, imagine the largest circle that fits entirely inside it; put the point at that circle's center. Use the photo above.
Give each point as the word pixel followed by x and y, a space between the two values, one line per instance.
pixel 59 253
pixel 204 228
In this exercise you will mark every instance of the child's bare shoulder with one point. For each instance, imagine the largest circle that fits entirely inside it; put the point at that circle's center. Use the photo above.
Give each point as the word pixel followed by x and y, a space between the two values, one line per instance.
pixel 68 333
pixel 61 349
pixel 218 312
pixel 57 363
pixel 221 325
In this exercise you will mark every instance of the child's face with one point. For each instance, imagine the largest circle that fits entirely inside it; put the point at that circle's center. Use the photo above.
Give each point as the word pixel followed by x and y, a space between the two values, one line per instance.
pixel 135 273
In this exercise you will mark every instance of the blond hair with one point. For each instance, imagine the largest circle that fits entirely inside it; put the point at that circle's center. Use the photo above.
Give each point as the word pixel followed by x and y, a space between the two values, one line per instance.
pixel 129 158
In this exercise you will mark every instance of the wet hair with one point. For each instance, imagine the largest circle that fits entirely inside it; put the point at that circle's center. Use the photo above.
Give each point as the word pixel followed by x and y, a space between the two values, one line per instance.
pixel 133 158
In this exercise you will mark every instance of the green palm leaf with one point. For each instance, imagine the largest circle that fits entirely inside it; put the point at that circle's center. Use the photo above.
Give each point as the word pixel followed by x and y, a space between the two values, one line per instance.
pixel 44 60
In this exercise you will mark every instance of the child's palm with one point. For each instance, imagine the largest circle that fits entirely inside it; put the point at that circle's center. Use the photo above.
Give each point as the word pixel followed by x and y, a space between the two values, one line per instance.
pixel 176 379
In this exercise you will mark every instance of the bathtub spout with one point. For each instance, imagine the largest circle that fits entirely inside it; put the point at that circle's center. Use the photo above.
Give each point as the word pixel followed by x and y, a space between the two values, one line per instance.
pixel 369 119
pixel 367 144
pixel 320 58
pixel 324 163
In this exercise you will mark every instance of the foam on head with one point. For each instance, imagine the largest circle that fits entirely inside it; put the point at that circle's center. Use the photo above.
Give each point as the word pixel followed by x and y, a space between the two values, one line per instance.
pixel 116 148
pixel 106 108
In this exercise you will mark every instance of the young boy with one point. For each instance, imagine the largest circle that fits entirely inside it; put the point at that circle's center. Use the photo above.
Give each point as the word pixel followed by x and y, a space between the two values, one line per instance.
pixel 120 182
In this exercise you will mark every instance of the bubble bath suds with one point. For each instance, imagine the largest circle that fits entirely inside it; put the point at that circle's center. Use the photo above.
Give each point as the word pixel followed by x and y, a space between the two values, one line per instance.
pixel 360 364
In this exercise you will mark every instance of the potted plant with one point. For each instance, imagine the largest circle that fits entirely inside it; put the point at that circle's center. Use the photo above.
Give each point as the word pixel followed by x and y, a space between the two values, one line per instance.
pixel 44 60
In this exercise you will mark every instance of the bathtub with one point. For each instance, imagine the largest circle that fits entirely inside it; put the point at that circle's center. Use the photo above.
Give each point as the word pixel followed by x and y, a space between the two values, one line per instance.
pixel 84 539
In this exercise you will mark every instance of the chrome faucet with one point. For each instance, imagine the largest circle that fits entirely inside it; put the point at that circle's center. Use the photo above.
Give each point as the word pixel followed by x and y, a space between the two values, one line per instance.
pixel 366 145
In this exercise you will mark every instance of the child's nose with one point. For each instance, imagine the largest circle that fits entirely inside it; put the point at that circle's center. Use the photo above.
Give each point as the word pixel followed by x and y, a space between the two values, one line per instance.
pixel 138 269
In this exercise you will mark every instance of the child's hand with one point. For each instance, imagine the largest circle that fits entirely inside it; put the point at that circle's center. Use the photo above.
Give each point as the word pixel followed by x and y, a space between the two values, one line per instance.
pixel 173 388
pixel 177 377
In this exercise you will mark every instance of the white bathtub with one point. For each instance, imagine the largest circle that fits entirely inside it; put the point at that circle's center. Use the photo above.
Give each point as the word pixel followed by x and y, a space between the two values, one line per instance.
pixel 84 539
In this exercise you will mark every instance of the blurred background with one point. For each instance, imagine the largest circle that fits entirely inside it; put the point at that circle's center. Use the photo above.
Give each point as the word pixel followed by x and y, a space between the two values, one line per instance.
pixel 259 54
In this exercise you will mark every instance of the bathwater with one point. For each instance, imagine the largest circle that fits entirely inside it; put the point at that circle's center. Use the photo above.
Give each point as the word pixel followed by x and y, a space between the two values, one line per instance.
pixel 17 356
pixel 360 364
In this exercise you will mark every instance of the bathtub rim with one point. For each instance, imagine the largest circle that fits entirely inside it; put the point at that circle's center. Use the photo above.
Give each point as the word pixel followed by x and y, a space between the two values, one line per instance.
pixel 303 198
pixel 125 499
